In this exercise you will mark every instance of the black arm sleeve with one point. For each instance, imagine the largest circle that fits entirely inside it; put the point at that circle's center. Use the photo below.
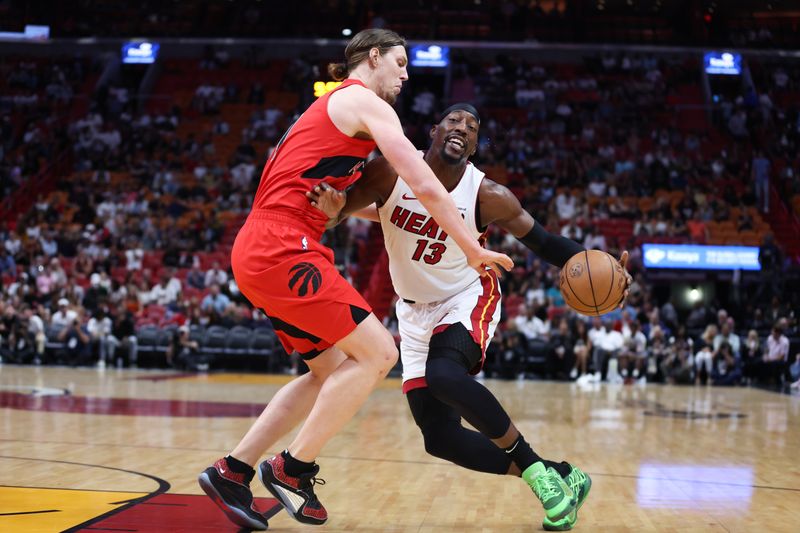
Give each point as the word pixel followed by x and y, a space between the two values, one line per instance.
pixel 554 249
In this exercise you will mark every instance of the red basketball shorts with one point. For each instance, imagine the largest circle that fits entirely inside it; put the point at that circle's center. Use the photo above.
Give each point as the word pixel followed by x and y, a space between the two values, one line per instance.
pixel 285 271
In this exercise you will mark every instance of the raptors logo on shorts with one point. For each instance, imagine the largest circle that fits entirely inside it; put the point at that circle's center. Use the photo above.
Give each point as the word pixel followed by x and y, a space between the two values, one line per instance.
pixel 302 275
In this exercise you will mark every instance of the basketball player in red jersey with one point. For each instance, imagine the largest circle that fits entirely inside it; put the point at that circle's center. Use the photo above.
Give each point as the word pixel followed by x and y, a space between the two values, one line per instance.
pixel 281 267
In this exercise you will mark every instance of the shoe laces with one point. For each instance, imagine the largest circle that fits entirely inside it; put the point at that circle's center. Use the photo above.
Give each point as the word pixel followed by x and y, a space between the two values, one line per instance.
pixel 308 487
pixel 575 480
pixel 545 487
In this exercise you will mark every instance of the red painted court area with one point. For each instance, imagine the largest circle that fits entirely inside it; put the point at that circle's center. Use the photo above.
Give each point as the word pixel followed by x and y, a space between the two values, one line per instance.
pixel 175 513
pixel 127 406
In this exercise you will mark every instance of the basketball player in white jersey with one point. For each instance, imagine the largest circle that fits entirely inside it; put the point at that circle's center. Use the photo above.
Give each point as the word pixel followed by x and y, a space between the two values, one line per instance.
pixel 447 313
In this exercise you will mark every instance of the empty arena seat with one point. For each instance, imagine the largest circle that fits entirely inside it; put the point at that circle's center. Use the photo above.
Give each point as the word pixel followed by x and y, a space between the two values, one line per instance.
pixel 215 340
pixel 147 337
pixel 164 339
pixel 197 333
pixel 237 341
pixel 262 342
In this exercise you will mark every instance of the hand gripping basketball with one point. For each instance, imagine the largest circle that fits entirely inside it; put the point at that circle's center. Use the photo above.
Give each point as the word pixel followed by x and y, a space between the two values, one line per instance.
pixel 593 283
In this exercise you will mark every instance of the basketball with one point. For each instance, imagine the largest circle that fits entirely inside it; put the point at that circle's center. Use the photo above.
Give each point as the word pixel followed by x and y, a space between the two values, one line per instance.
pixel 592 282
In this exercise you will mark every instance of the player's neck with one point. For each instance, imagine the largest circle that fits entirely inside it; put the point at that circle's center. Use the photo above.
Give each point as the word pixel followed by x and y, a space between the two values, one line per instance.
pixel 449 174
pixel 366 76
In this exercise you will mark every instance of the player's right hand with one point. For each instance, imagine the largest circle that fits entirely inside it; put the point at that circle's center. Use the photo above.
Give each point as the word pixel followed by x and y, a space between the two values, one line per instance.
pixel 623 262
pixel 327 199
pixel 483 259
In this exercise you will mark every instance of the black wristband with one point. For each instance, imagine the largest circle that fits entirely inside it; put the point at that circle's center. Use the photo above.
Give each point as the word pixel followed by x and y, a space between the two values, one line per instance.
pixel 554 249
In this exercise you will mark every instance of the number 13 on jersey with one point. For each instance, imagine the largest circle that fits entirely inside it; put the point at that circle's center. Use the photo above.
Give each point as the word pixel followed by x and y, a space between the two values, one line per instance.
pixel 436 250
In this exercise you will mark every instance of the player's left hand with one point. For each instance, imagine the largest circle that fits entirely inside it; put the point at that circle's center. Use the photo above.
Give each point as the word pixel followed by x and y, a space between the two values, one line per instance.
pixel 485 259
pixel 623 261
pixel 327 199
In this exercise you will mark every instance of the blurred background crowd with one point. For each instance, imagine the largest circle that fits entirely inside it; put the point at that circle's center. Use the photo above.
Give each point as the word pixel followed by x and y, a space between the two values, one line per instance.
pixel 123 190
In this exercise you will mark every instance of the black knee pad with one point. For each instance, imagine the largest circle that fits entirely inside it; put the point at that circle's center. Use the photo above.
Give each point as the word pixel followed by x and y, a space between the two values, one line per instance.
pixel 457 344
pixel 428 411
pixel 437 422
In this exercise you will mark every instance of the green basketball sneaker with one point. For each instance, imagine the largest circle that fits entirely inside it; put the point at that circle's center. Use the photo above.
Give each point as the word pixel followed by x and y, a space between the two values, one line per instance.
pixel 565 524
pixel 580 484
pixel 555 495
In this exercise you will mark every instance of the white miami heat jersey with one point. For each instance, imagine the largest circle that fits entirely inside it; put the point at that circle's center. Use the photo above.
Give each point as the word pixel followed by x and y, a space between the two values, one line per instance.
pixel 437 268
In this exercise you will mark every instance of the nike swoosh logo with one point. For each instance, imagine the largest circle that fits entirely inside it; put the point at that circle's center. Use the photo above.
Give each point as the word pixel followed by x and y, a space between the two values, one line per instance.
pixel 222 470
pixel 513 447
pixel 404 197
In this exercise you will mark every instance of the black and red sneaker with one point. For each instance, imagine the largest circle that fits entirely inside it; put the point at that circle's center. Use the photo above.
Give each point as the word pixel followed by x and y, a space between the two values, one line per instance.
pixel 295 493
pixel 231 492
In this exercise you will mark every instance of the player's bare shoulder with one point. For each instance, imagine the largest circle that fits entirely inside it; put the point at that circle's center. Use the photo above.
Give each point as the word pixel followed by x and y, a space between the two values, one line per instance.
pixel 496 202
pixel 347 106
pixel 491 192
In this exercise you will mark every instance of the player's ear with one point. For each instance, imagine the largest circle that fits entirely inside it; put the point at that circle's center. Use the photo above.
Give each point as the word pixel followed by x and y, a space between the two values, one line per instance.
pixel 374 55
pixel 433 130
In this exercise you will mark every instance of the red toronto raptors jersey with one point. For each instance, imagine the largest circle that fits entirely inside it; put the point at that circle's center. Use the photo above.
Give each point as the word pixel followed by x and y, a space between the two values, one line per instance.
pixel 311 151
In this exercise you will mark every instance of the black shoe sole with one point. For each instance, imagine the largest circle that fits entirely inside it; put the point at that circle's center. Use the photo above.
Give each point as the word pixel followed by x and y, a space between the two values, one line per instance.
pixel 287 506
pixel 237 516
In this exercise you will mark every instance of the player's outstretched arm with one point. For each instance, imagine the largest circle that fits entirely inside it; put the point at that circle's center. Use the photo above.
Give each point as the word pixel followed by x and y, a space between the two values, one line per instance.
pixel 498 205
pixel 380 120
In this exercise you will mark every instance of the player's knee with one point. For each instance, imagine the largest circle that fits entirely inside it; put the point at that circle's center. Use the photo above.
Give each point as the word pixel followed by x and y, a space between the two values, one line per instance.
pixel 442 385
pixel 434 447
pixel 436 441
pixel 386 355
pixel 442 377
pixel 390 358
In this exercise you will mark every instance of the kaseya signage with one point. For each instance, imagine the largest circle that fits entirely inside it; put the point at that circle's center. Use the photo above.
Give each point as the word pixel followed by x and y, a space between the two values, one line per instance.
pixel 725 63
pixel 431 55
pixel 139 52
pixel 695 256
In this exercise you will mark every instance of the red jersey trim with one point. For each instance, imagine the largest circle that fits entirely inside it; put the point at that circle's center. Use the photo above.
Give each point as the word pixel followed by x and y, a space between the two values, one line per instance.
pixel 483 313
pixel 414 383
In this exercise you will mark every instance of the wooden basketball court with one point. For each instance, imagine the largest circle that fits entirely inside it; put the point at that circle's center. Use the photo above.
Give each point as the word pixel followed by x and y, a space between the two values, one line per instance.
pixel 119 450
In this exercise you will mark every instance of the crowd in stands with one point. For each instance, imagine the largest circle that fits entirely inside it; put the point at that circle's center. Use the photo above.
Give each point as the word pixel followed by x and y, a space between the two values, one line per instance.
pixel 592 150
pixel 35 98
pixel 601 153
pixel 767 25
pixel 138 235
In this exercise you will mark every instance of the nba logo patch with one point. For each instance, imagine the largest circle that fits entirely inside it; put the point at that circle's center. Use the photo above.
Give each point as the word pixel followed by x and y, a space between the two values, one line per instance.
pixel 304 243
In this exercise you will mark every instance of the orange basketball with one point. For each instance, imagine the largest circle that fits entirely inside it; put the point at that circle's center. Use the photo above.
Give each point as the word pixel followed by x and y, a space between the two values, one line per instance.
pixel 592 283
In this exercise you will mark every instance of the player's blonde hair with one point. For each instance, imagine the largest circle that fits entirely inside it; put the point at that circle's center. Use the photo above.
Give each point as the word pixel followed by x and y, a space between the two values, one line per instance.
pixel 358 49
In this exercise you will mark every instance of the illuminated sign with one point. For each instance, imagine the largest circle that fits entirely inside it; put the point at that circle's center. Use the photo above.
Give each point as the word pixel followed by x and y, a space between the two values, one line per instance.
pixel 32 33
pixel 140 52
pixel 695 256
pixel 430 56
pixel 726 63
pixel 322 87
